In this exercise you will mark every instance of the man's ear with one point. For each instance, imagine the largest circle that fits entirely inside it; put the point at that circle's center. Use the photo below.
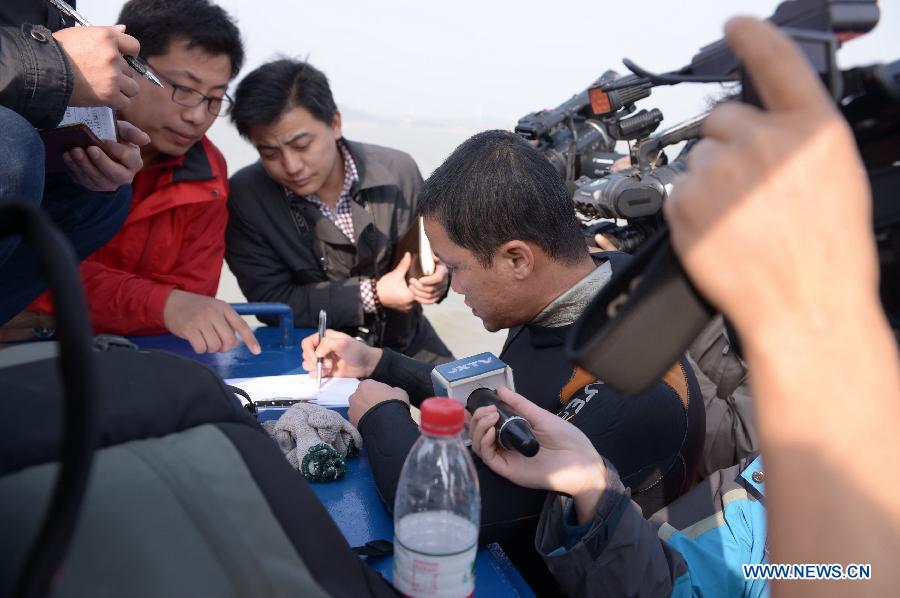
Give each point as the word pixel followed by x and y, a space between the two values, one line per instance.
pixel 518 257
pixel 336 125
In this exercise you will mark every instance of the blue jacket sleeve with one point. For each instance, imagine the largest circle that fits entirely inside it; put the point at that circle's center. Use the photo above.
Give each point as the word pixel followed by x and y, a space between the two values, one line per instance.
pixel 721 526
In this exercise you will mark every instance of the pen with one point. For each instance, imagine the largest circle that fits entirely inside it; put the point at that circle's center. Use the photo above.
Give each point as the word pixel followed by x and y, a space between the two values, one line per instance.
pixel 322 325
pixel 136 63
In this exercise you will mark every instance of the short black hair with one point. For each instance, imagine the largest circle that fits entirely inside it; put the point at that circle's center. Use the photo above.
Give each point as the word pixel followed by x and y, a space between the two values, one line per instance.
pixel 275 87
pixel 494 188
pixel 156 23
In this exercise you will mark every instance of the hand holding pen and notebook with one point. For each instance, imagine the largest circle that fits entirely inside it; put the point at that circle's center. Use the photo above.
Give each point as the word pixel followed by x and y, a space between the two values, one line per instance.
pixel 102 60
pixel 99 153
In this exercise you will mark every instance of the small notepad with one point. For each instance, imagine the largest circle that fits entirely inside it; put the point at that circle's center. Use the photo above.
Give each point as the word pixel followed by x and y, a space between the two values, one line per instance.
pixel 80 127
pixel 101 120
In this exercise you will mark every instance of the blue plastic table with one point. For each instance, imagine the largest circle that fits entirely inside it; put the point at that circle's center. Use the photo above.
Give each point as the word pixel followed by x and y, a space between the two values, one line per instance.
pixel 352 501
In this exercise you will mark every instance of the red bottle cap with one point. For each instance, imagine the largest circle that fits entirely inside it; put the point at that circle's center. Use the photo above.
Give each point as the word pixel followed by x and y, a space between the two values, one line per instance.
pixel 442 416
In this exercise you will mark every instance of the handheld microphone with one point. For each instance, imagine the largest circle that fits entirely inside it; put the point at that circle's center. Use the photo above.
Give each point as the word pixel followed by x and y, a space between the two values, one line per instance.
pixel 513 431
pixel 473 381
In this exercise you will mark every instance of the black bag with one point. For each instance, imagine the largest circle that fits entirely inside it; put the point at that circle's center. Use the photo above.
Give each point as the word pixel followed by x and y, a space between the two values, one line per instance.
pixel 187 495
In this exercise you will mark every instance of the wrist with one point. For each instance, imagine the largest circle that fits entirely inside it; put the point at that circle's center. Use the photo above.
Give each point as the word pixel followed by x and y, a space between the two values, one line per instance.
pixel 806 315
pixel 384 407
pixel 375 295
pixel 802 361
pixel 820 329
pixel 163 299
pixel 373 356
pixel 587 497
pixel 368 295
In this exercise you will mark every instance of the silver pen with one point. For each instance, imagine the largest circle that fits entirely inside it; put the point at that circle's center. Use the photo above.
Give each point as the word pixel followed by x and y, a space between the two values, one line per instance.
pixel 136 63
pixel 323 317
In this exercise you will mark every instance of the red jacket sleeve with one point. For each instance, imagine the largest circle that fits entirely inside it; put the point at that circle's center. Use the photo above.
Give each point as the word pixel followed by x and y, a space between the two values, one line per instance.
pixel 123 303
pixel 202 252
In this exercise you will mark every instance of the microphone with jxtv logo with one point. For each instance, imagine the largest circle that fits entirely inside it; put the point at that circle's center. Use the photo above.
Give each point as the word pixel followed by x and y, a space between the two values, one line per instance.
pixel 473 381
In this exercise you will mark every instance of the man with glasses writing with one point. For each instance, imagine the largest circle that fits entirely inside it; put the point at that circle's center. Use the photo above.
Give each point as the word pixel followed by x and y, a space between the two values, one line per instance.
pixel 161 271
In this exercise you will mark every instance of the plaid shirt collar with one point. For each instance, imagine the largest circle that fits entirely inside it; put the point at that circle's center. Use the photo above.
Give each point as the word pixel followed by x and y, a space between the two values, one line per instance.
pixel 351 177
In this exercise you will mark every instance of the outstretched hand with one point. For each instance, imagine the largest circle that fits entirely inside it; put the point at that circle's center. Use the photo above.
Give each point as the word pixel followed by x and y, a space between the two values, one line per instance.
pixel 773 222
pixel 209 324
pixel 758 174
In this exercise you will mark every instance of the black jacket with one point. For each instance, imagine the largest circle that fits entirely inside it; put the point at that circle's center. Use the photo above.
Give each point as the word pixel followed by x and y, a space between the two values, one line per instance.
pixel 654 439
pixel 286 250
pixel 35 77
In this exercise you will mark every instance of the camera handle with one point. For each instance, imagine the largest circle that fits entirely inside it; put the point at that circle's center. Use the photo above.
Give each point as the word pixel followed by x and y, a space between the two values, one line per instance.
pixel 642 321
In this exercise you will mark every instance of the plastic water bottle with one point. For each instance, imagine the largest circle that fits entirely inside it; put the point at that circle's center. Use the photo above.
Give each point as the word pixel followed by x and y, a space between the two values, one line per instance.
pixel 437 510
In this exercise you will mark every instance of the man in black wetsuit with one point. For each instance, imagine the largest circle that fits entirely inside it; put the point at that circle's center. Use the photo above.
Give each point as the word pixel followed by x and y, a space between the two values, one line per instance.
pixel 498 216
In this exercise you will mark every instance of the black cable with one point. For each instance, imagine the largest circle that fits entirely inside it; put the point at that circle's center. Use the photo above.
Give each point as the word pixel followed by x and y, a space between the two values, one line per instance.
pixel 675 77
pixel 76 363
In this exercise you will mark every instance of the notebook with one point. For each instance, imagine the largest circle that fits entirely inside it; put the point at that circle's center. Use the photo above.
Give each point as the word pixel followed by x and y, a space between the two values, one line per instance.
pixel 415 241
pixel 80 127
pixel 281 391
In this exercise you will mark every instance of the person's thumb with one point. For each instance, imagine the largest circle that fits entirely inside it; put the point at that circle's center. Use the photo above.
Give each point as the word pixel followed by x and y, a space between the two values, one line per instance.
pixel 403 264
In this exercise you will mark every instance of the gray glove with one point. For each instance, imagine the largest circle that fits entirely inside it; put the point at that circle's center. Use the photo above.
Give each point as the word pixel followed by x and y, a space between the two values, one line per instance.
pixel 315 440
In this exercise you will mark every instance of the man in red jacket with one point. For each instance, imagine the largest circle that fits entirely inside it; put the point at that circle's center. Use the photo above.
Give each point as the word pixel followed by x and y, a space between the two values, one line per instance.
pixel 161 271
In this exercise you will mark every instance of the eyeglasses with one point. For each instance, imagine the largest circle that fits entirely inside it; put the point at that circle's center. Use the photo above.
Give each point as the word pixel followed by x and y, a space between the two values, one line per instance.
pixel 191 98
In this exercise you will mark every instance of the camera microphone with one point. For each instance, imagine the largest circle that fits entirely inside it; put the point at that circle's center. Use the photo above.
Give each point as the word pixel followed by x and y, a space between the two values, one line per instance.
pixel 473 381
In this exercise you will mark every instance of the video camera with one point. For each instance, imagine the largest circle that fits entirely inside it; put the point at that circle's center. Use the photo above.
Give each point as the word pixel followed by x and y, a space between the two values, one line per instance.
pixel 611 338
pixel 636 194
pixel 568 135
pixel 579 136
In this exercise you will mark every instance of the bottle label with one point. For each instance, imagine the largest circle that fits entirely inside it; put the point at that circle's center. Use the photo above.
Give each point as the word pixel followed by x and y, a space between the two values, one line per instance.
pixel 434 555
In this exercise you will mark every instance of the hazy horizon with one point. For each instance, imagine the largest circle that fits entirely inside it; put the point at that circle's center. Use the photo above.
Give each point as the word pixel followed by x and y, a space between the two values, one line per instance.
pixel 423 76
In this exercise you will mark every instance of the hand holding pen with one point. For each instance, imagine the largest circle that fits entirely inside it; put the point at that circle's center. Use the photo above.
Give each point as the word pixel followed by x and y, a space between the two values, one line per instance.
pixel 102 60
pixel 323 325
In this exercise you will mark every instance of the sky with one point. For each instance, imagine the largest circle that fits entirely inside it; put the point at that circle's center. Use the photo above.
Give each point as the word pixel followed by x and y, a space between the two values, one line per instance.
pixel 422 76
